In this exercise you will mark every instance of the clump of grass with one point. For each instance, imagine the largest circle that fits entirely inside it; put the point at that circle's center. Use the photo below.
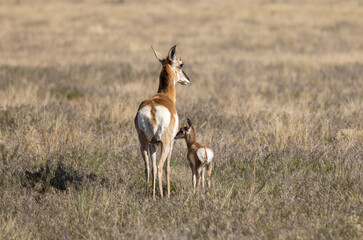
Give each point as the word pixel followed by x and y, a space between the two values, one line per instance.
pixel 60 177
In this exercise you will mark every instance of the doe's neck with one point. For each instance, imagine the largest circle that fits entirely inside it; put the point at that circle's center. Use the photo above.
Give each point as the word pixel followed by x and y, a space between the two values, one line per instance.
pixel 167 82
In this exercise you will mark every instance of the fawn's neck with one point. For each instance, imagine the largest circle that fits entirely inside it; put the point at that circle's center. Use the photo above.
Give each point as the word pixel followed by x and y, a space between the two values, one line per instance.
pixel 190 139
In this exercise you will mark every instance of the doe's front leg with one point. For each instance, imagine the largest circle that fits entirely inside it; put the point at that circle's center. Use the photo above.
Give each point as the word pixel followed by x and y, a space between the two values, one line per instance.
pixel 168 159
pixel 152 151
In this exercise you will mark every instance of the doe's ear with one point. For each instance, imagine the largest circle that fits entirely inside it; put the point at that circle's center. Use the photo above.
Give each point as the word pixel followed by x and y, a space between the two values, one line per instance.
pixel 189 122
pixel 172 53
pixel 158 55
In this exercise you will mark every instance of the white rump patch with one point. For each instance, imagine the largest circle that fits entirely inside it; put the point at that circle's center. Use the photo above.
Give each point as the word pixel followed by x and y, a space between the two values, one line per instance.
pixel 176 126
pixel 144 122
pixel 210 155
pixel 162 117
pixel 201 155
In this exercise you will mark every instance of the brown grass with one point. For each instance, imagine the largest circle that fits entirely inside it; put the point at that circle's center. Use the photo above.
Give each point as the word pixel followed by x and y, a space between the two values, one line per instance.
pixel 276 90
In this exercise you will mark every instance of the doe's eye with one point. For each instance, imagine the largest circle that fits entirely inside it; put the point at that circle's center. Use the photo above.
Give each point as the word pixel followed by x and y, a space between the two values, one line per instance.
pixel 181 65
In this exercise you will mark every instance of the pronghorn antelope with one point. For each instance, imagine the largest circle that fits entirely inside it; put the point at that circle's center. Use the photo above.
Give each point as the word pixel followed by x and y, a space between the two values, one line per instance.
pixel 157 120
pixel 200 157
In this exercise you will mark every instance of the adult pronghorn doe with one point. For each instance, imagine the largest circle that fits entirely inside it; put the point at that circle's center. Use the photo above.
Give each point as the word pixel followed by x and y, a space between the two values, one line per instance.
pixel 157 120
pixel 200 157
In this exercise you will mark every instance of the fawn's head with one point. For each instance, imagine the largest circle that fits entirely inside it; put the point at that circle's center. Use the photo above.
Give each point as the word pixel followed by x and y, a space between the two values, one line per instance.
pixel 176 64
pixel 186 132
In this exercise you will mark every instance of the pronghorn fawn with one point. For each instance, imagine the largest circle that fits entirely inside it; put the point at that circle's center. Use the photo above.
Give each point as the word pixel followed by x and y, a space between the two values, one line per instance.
pixel 157 120
pixel 200 157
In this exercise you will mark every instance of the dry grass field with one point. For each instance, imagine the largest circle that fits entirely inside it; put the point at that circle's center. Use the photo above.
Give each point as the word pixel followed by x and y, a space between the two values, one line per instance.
pixel 276 90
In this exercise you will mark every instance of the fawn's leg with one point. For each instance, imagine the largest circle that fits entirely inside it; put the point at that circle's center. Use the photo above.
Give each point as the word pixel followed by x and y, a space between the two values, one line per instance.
pixel 198 173
pixel 203 172
pixel 194 179
pixel 209 173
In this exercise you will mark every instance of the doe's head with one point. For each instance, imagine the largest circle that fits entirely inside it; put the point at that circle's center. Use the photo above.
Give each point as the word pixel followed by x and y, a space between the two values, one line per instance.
pixel 186 132
pixel 175 63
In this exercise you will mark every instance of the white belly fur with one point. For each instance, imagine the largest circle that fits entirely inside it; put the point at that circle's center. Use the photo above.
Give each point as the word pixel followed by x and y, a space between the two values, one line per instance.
pixel 201 155
pixel 162 117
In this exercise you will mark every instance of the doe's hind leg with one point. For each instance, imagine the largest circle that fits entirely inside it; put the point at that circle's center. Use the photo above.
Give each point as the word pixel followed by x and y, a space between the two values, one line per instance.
pixel 144 153
pixel 152 151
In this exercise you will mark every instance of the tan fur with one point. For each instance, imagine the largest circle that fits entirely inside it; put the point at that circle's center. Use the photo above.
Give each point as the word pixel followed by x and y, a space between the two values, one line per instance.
pixel 165 97
pixel 153 112
pixel 166 83
pixel 197 165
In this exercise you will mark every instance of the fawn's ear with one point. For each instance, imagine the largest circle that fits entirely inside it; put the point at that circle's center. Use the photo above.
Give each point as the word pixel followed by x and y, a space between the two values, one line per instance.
pixel 172 54
pixel 158 55
pixel 189 122
pixel 187 133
